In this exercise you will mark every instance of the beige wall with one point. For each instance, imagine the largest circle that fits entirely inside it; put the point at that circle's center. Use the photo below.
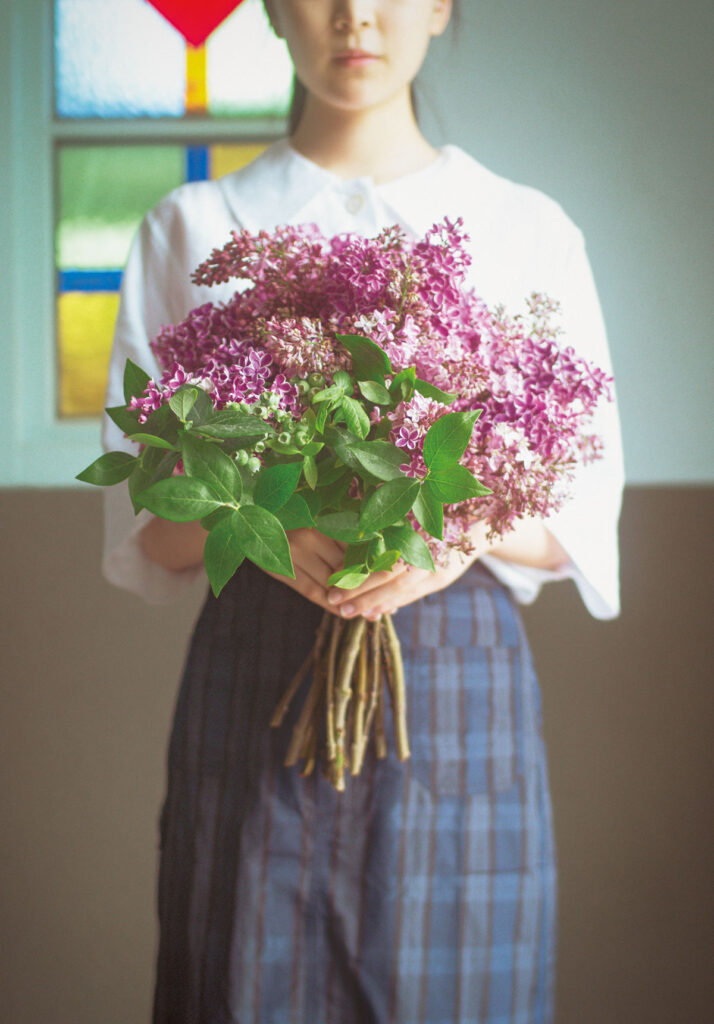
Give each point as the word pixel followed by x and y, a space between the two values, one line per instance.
pixel 89 677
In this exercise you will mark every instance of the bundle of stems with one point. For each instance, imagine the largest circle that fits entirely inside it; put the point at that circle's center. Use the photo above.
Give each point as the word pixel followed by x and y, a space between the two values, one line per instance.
pixel 350 661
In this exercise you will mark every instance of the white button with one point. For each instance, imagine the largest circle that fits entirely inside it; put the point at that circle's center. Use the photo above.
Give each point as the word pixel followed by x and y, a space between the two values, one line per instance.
pixel 354 203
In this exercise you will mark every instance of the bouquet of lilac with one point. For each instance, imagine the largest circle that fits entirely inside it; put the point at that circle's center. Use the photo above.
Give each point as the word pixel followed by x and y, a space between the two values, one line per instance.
pixel 315 397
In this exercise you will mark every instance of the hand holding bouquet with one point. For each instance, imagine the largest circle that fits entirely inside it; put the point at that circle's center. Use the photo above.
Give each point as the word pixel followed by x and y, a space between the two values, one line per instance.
pixel 316 397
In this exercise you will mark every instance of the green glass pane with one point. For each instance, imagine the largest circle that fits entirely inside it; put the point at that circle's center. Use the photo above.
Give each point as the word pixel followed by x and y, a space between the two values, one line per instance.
pixel 104 191
pixel 117 58
pixel 249 69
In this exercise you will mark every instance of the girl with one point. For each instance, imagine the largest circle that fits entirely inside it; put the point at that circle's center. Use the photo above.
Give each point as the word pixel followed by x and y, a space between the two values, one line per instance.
pixel 426 891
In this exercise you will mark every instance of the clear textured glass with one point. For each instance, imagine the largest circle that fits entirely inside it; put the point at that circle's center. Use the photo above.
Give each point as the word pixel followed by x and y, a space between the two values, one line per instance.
pixel 249 69
pixel 117 58
pixel 104 191
pixel 85 326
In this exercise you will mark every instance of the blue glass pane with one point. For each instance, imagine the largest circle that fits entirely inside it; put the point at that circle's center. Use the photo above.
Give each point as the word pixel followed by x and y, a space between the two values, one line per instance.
pixel 249 69
pixel 117 58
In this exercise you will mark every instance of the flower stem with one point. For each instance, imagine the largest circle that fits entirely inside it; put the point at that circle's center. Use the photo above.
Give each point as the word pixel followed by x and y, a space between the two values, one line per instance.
pixel 360 703
pixel 343 687
pixel 395 671
pixel 297 739
pixel 337 626
pixel 314 655
pixel 379 737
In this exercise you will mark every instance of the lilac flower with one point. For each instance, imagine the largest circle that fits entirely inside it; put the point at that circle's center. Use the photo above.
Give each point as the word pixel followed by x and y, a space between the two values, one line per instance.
pixel 407 438
pixel 300 289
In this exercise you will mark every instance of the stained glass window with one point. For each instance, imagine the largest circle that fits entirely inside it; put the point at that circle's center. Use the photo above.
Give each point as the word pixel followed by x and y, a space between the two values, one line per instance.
pixel 121 58
pixel 103 193
pixel 117 64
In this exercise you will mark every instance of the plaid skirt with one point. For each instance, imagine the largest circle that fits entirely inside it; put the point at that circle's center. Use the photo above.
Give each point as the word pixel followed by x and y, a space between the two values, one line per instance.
pixel 422 894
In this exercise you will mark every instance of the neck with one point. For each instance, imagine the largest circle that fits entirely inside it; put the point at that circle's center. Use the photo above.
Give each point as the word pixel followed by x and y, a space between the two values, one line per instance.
pixel 383 142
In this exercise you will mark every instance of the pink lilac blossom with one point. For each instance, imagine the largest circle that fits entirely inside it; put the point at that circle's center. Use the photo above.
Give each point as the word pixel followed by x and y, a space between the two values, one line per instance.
pixel 412 297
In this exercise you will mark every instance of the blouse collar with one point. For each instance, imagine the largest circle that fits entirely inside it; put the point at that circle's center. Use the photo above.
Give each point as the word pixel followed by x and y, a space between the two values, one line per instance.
pixel 281 182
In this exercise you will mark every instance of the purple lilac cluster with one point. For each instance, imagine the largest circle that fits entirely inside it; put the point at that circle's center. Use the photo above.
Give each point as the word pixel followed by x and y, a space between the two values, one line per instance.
pixel 412 298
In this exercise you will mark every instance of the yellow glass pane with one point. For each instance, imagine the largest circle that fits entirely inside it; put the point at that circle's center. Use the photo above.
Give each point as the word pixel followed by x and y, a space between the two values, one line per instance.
pixel 226 159
pixel 196 83
pixel 85 325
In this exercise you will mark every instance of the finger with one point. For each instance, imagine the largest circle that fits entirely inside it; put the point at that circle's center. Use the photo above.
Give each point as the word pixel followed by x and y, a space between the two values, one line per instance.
pixel 392 594
pixel 317 554
pixel 328 550
pixel 338 595
pixel 305 585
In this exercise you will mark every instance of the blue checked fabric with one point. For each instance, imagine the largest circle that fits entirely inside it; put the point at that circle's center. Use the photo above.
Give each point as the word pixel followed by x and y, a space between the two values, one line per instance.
pixel 423 894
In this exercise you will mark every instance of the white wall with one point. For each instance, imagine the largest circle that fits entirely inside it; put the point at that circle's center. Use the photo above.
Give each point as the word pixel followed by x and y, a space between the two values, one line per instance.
pixel 603 104
pixel 606 105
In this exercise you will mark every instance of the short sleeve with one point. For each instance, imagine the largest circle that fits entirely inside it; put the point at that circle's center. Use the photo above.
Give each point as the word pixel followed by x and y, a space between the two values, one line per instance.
pixel 152 295
pixel 587 525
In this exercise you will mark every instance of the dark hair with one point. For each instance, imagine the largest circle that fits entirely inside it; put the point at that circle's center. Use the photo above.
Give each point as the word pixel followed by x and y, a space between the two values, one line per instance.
pixel 299 95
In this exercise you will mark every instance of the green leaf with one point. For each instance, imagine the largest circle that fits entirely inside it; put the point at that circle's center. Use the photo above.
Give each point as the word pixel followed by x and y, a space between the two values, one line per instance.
pixel 322 415
pixel 202 409
pixel 275 484
pixel 262 537
pixel 380 458
pixel 312 500
pixel 343 379
pixel 369 361
pixel 152 441
pixel 429 512
pixel 356 418
pixel 376 547
pixel 282 449
pixel 333 495
pixel 108 469
pixel 327 394
pixel 222 554
pixel 214 518
pixel 446 439
pixel 248 480
pixel 389 502
pixel 451 484
pixel 348 578
pixel 342 442
pixel 180 499
pixel 374 392
pixel 309 467
pixel 312 447
pixel 382 429
pixel 331 469
pixel 295 513
pixel 162 422
pixel 154 464
pixel 183 401
pixel 135 381
pixel 414 549
pixel 384 562
pixel 356 554
pixel 205 461
pixel 234 423
pixel 343 526
pixel 126 419
pixel 307 423
pixel 403 384
pixel 431 391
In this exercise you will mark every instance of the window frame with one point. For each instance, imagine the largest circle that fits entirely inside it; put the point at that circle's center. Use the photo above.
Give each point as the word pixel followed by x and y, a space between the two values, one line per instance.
pixel 40 448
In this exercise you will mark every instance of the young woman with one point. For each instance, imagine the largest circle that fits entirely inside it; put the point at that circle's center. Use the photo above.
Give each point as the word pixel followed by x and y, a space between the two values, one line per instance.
pixel 426 891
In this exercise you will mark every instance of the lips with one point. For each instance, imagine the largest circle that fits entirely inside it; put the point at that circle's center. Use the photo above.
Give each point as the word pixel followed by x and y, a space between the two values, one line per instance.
pixel 350 57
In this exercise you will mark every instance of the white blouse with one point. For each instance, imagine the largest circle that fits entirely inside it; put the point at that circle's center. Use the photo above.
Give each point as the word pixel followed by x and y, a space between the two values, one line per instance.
pixel 521 242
